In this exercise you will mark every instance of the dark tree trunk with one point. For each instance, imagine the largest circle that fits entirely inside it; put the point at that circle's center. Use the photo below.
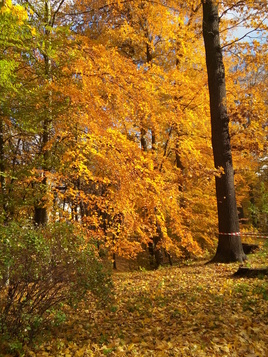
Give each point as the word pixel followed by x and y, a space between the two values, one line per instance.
pixel 40 208
pixel 156 254
pixel 114 261
pixel 229 246
pixel 40 215
pixel 2 171
pixel 153 140
pixel 143 140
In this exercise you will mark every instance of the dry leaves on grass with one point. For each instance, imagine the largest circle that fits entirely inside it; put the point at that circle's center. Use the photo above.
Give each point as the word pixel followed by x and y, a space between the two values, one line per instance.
pixel 197 310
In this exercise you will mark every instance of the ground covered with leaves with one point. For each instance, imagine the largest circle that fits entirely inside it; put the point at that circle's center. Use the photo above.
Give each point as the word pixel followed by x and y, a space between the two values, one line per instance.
pixel 190 310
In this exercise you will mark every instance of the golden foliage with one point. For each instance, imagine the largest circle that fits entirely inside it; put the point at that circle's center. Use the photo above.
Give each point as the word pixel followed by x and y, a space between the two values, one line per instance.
pixel 119 91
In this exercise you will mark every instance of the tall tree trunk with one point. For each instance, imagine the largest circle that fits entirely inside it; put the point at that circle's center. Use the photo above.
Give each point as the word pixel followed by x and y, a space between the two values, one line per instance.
pixel 229 246
pixel 40 209
pixel 2 172
pixel 153 247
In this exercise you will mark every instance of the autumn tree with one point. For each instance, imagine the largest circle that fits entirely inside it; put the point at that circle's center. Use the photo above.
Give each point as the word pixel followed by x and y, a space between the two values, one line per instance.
pixel 36 112
pixel 150 98
pixel 15 34
pixel 229 246
pixel 110 126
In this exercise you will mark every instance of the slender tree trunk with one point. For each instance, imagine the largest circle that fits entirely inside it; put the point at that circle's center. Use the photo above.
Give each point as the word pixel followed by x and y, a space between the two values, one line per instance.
pixel 153 140
pixel 2 172
pixel 40 209
pixel 154 250
pixel 229 246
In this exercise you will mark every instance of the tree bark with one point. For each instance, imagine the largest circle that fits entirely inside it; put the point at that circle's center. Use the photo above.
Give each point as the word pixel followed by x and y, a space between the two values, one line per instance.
pixel 229 246
pixel 40 208
pixel 2 171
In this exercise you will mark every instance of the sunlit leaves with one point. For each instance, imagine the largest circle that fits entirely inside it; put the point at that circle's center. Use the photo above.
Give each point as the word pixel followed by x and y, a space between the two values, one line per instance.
pixel 129 139
pixel 195 310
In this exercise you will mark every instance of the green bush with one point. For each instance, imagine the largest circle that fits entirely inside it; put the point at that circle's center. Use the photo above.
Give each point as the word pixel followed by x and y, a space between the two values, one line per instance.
pixel 41 269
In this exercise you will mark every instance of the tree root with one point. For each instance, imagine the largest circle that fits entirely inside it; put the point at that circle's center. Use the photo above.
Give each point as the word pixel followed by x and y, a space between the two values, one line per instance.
pixel 249 248
pixel 250 272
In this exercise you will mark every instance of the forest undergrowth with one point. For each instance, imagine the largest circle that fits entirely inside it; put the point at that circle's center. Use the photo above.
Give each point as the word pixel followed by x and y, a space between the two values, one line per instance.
pixel 190 310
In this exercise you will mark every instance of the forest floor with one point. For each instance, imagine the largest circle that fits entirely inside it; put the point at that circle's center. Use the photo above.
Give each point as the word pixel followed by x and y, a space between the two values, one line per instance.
pixel 190 310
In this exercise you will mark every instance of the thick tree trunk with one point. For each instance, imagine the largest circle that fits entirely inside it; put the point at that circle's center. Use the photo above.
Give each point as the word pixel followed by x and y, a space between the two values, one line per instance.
pixel 229 246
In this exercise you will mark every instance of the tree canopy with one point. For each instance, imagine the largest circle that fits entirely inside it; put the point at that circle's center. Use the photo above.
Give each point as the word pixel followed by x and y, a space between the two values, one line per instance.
pixel 104 119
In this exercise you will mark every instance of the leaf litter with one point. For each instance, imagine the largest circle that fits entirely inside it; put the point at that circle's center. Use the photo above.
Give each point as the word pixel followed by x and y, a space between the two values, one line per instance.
pixel 197 310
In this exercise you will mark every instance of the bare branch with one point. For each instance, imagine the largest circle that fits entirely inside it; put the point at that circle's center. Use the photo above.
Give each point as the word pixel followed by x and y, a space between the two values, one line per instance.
pixel 246 34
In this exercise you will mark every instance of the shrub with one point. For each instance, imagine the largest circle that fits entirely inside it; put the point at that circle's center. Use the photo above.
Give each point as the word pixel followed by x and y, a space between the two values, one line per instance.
pixel 40 270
